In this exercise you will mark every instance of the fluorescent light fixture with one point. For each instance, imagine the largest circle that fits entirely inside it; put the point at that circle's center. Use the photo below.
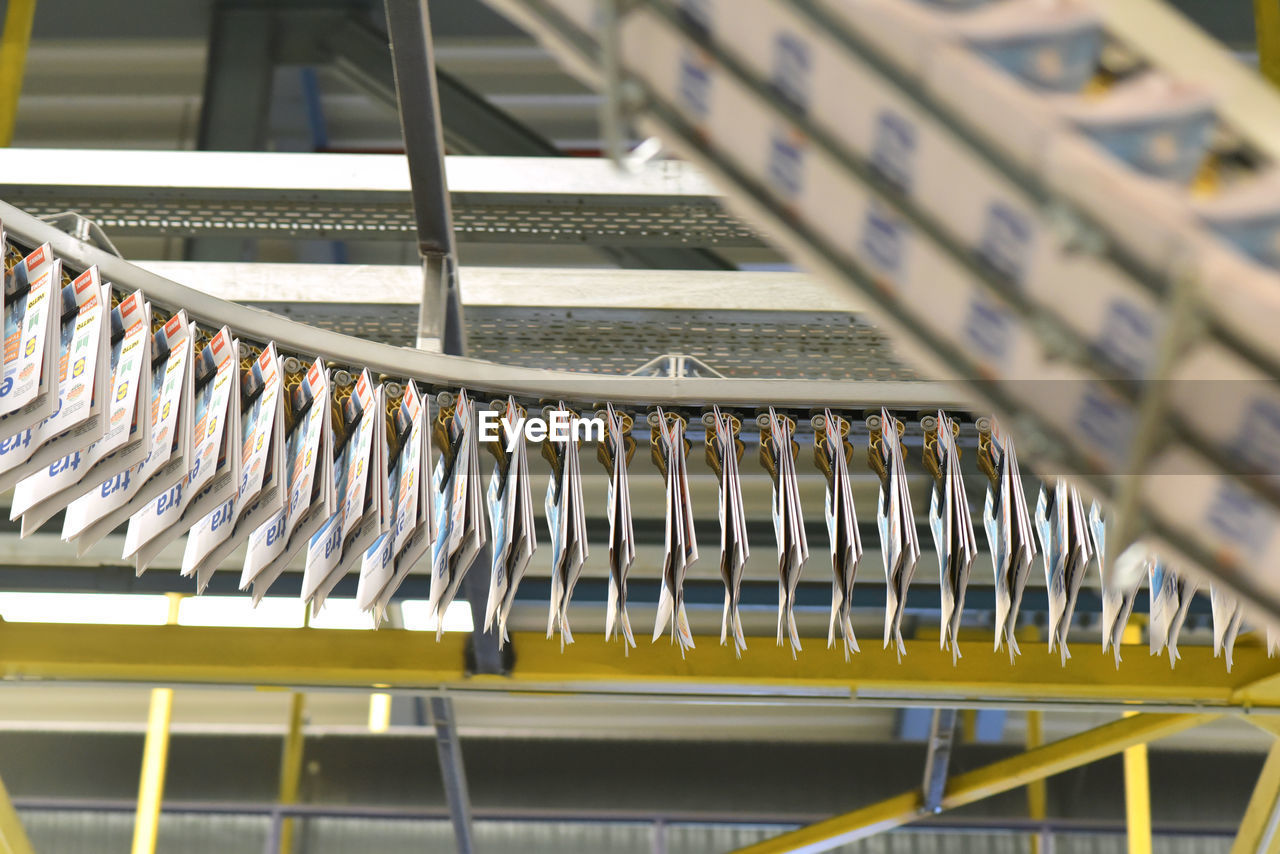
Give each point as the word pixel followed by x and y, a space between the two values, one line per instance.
pixel 119 609
pixel 418 617
pixel 273 612
pixel 379 712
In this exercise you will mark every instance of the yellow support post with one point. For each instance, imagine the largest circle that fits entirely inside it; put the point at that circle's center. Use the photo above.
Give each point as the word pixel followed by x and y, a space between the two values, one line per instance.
pixel 1258 833
pixel 963 789
pixel 13 62
pixel 291 768
pixel 13 836
pixel 1266 16
pixel 155 759
pixel 1037 790
pixel 1137 780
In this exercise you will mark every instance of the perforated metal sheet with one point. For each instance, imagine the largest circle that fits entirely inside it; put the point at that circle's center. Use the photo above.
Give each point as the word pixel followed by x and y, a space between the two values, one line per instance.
pixel 799 345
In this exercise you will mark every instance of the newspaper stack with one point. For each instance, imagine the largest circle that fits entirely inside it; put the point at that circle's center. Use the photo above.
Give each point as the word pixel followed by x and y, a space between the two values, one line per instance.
pixel 360 472
pixel 312 494
pixel 1009 531
pixel 724 456
pixel 832 452
pixel 669 449
pixel 510 519
pixel 1171 595
pixel 952 526
pixel 1068 549
pixel 260 494
pixel 85 336
pixel 778 450
pixel 28 389
pixel 1120 582
pixel 1227 616
pixel 126 437
pixel 615 453
pixel 92 516
pixel 215 464
pixel 458 496
pixel 381 570
pixel 567 522
pixel 899 543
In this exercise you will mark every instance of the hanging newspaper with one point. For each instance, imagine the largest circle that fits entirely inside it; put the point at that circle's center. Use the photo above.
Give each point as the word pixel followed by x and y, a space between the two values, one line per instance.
pixel 1010 534
pixel 1120 582
pixel 28 387
pixel 1227 617
pixel 215 462
pixel 127 437
pixel 81 392
pixel 312 495
pixel 510 518
pixel 899 543
pixel 360 472
pixel 778 450
pixel 92 516
pixel 952 526
pixel 260 494
pixel 378 576
pixel 669 449
pixel 1171 595
pixel 458 500
pixel 1068 549
pixel 566 519
pixel 724 456
pixel 413 533
pixel 832 452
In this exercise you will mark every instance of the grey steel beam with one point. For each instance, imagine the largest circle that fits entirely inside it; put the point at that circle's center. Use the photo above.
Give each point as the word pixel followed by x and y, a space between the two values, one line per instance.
pixel 452 770
pixel 938 759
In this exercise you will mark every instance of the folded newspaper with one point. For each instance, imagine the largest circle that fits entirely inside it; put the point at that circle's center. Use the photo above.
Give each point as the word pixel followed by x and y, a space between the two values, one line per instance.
pixel 414 516
pixel 1120 581
pixel 1171 595
pixel 458 500
pixel 360 475
pixel 28 385
pixel 724 456
pixel 1227 618
pixel 615 453
pixel 669 449
pixel 511 523
pixel 832 452
pixel 84 322
pixel 260 493
pixel 378 573
pixel 566 521
pixel 127 435
pixel 312 495
pixel 778 450
pixel 214 469
pixel 1010 534
pixel 952 525
pixel 1068 548
pixel 899 542
pixel 94 515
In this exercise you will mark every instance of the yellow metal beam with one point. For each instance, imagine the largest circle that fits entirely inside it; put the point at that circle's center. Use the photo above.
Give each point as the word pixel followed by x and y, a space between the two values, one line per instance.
pixel 1037 790
pixel 972 786
pixel 392 659
pixel 1266 16
pixel 291 767
pixel 13 836
pixel 1137 780
pixel 155 758
pixel 1258 830
pixel 13 62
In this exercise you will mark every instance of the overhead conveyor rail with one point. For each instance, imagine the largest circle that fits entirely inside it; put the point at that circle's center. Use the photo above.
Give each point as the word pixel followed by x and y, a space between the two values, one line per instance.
pixel 1019 190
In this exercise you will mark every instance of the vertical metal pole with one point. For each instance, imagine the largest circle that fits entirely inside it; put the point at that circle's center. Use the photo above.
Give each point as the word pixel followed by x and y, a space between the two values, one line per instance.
pixel 155 759
pixel 13 836
pixel 291 768
pixel 1266 16
pixel 1037 790
pixel 453 772
pixel 13 63
pixel 413 59
pixel 1137 780
pixel 938 759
